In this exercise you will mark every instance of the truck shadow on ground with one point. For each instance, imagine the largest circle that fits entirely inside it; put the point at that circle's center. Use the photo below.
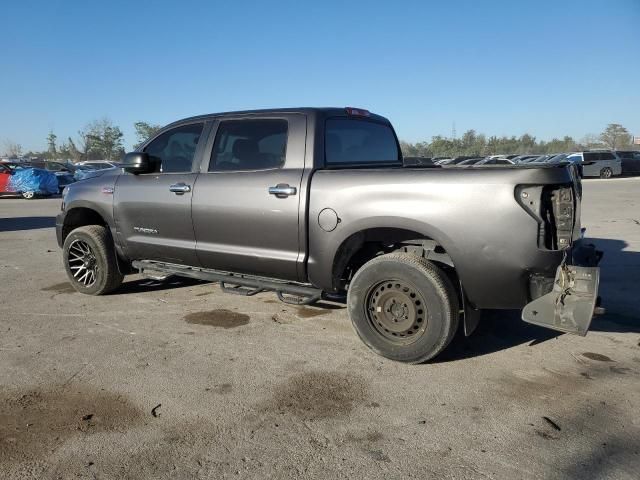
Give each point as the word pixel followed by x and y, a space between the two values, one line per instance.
pixel 503 329
pixel 141 285
pixel 14 224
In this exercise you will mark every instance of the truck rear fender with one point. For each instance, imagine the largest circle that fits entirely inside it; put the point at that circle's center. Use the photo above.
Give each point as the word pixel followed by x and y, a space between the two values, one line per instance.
pixel 364 245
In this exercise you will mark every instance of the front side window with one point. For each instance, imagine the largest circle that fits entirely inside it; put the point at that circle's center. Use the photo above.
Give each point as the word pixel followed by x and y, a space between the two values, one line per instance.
pixel 173 151
pixel 259 144
pixel 351 141
pixel 591 157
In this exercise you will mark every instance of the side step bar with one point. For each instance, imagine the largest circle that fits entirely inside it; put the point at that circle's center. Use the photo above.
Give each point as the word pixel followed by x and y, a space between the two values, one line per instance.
pixel 246 285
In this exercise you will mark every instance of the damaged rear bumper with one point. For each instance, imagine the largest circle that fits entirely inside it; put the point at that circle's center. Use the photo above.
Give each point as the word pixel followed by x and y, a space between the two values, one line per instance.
pixel 570 305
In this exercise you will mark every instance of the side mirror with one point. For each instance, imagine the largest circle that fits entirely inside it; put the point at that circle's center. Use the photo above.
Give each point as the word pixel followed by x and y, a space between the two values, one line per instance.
pixel 136 162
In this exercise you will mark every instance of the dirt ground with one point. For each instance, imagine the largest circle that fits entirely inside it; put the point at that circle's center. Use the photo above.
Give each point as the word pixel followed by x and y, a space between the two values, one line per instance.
pixel 178 380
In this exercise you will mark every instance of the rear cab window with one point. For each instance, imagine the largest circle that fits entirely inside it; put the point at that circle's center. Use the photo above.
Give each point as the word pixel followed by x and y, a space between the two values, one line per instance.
pixel 247 145
pixel 357 142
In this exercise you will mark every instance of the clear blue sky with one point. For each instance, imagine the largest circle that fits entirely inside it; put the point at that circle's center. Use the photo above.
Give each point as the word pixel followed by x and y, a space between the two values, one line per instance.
pixel 547 67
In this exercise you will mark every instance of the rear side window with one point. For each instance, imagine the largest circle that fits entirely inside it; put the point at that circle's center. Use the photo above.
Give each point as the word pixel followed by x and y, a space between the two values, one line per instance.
pixel 351 141
pixel 173 151
pixel 591 157
pixel 607 156
pixel 249 145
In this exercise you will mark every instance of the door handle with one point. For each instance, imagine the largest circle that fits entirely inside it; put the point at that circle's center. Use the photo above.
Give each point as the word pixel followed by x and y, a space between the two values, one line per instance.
pixel 282 190
pixel 179 188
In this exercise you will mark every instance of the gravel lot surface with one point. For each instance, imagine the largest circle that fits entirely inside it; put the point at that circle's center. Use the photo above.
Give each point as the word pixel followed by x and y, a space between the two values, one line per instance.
pixel 178 380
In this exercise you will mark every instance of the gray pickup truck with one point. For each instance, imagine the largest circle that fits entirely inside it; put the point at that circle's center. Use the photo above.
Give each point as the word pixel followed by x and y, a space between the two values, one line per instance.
pixel 317 203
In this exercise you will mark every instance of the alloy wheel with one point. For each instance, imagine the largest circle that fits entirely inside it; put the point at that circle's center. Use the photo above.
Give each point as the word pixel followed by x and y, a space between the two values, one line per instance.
pixel 82 263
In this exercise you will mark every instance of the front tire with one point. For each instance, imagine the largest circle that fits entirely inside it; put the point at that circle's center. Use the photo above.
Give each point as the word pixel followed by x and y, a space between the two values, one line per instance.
pixel 90 260
pixel 403 307
pixel 606 173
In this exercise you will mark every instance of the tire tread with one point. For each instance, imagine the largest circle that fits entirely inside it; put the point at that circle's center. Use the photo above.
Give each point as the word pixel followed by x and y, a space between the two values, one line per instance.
pixel 443 286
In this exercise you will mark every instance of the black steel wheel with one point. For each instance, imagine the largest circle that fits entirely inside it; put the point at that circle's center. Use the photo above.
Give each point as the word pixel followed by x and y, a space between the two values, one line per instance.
pixel 90 260
pixel 397 310
pixel 403 307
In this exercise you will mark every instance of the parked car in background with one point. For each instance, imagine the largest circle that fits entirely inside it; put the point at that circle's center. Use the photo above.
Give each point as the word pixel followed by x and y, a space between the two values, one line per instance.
pixel 27 181
pixel 63 171
pixel 88 170
pixel 630 161
pixel 524 158
pixel 495 161
pixel 471 161
pixel 603 164
pixel 99 164
pixel 442 160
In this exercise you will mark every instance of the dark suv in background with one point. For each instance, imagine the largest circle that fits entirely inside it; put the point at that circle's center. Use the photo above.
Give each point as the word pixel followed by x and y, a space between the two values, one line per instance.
pixel 630 161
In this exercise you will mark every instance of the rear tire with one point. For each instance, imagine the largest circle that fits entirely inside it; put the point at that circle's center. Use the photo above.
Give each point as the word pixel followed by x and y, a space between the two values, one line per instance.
pixel 403 307
pixel 606 173
pixel 90 260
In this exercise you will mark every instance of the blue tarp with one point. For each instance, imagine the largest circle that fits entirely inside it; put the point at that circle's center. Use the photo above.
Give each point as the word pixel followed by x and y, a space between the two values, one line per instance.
pixel 35 180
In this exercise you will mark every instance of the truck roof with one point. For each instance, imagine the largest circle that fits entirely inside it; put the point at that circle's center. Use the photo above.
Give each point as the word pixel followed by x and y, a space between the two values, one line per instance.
pixel 319 112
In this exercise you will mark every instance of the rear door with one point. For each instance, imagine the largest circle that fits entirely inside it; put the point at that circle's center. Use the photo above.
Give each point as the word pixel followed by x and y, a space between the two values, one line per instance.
pixel 247 201
pixel 153 210
pixel 591 161
pixel 609 160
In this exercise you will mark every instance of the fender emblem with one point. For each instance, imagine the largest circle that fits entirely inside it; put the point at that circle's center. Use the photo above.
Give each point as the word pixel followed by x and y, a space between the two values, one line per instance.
pixel 151 231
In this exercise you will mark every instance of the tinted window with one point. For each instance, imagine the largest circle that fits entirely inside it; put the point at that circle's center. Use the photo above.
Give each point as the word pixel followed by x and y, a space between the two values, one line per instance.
pixel 173 151
pixel 351 141
pixel 249 145
pixel 591 156
pixel 607 156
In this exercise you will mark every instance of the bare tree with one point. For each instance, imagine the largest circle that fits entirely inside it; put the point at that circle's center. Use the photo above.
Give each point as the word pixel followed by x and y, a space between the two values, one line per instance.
pixel 12 149
pixel 615 136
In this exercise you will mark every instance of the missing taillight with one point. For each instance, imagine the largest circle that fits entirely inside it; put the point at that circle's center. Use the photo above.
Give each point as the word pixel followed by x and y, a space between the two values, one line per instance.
pixel 553 207
pixel 557 212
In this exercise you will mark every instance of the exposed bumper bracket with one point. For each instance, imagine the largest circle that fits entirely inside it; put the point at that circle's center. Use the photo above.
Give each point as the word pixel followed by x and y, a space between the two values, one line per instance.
pixel 570 306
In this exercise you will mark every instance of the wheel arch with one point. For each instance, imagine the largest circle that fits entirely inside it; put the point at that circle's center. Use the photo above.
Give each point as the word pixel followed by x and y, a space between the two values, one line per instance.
pixel 365 244
pixel 81 215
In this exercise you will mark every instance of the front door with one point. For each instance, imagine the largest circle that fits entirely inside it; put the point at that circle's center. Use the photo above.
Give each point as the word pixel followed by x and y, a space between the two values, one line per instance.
pixel 153 210
pixel 246 202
